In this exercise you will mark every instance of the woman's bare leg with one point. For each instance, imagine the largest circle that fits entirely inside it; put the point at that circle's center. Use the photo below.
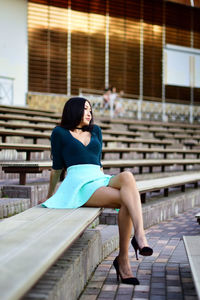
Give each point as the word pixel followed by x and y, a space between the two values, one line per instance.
pixel 128 199
pixel 110 197
pixel 125 229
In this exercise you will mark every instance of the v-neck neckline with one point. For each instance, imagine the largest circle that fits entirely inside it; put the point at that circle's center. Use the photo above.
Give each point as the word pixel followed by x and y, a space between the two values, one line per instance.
pixel 80 141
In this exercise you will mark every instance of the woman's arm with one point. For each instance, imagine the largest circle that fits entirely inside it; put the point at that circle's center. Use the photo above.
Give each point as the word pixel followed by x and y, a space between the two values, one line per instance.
pixel 54 178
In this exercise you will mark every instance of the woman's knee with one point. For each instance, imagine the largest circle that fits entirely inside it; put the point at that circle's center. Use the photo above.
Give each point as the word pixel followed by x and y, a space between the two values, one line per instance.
pixel 127 178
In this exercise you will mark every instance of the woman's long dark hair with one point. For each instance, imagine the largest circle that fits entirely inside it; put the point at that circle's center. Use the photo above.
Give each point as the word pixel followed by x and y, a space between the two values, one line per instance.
pixel 73 112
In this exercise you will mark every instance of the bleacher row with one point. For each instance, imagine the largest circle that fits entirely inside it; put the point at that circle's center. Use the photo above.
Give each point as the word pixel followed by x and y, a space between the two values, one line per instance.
pixel 163 156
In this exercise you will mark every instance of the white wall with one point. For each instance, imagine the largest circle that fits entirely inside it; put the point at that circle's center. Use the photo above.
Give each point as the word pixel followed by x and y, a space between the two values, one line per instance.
pixel 14 46
pixel 182 65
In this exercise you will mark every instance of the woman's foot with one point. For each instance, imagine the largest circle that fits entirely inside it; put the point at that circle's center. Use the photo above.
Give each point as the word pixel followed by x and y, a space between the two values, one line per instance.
pixel 127 276
pixel 141 240
pixel 124 267
pixel 141 245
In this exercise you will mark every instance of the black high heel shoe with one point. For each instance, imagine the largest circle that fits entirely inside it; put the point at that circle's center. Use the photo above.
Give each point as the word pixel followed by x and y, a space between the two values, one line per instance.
pixel 130 280
pixel 145 251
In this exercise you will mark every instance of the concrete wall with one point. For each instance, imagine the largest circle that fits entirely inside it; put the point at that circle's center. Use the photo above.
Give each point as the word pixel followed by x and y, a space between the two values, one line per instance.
pixel 14 48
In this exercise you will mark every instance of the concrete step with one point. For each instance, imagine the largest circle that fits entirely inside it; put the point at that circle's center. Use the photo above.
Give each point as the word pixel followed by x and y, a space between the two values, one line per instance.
pixel 68 276
pixel 12 206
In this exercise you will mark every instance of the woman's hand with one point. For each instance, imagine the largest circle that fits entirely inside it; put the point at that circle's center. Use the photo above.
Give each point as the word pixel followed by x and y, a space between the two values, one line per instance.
pixel 54 178
pixel 41 201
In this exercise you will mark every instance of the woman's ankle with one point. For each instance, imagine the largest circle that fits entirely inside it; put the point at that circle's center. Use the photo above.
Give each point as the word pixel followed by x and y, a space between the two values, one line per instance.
pixel 123 257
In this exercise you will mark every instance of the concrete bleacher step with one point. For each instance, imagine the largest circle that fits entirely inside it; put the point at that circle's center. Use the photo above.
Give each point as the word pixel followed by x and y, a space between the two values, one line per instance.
pixel 192 245
pixel 76 265
pixel 12 206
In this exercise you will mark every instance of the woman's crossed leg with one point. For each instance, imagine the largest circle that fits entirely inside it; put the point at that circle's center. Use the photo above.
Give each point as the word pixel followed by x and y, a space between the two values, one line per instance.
pixel 122 193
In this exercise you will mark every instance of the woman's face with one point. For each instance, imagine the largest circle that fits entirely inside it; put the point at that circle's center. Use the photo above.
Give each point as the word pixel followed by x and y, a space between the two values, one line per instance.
pixel 87 116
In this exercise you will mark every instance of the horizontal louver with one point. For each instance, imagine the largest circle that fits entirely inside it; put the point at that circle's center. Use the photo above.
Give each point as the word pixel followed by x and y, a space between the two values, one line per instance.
pixel 49 24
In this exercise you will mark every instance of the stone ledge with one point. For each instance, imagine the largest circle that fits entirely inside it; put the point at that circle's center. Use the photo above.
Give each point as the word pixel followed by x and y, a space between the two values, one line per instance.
pixel 34 192
pixel 68 276
pixel 159 208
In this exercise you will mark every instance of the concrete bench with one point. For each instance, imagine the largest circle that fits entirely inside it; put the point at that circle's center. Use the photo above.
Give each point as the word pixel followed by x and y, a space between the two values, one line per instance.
pixel 180 137
pixel 33 240
pixel 129 141
pixel 27 148
pixel 22 168
pixel 46 135
pixel 161 129
pixel 150 163
pixel 145 151
pixel 26 108
pixel 192 246
pixel 130 122
pixel 156 129
pixel 9 125
pixel 16 117
pixel 166 183
pixel 28 112
pixel 198 217
pixel 36 120
pixel 24 133
pixel 121 133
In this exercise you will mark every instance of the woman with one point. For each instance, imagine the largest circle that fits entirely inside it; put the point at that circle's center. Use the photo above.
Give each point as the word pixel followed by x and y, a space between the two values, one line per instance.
pixel 77 145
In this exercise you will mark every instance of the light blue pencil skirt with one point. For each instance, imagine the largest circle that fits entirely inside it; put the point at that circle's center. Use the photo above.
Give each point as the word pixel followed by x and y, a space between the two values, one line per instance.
pixel 78 186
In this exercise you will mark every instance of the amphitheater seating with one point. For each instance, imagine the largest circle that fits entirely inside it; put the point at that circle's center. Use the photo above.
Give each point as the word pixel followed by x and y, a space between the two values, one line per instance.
pixel 33 240
pixel 54 230
pixel 150 123
pixel 16 117
pixel 129 141
pixel 38 127
pixel 27 148
pixel 35 119
pixel 179 137
pixel 120 133
pixel 146 151
pixel 22 168
pixel 150 163
pixel 28 112
pixel 35 135
pixel 26 108
pixel 161 129
pixel 21 234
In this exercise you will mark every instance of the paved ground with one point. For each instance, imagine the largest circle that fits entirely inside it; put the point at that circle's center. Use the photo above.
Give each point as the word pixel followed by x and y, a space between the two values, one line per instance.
pixel 165 275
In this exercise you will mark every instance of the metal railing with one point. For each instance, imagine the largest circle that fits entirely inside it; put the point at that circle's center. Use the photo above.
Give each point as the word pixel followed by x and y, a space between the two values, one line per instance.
pixel 131 106
pixel 6 90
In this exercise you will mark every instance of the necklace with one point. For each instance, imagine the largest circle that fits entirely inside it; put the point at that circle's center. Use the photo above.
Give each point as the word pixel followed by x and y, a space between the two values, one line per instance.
pixel 79 128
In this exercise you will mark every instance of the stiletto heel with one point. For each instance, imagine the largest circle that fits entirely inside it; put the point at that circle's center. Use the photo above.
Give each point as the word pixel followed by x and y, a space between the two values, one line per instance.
pixel 145 251
pixel 130 280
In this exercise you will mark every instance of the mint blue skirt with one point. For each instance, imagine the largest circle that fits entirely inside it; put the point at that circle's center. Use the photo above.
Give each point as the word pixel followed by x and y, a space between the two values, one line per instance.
pixel 78 186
